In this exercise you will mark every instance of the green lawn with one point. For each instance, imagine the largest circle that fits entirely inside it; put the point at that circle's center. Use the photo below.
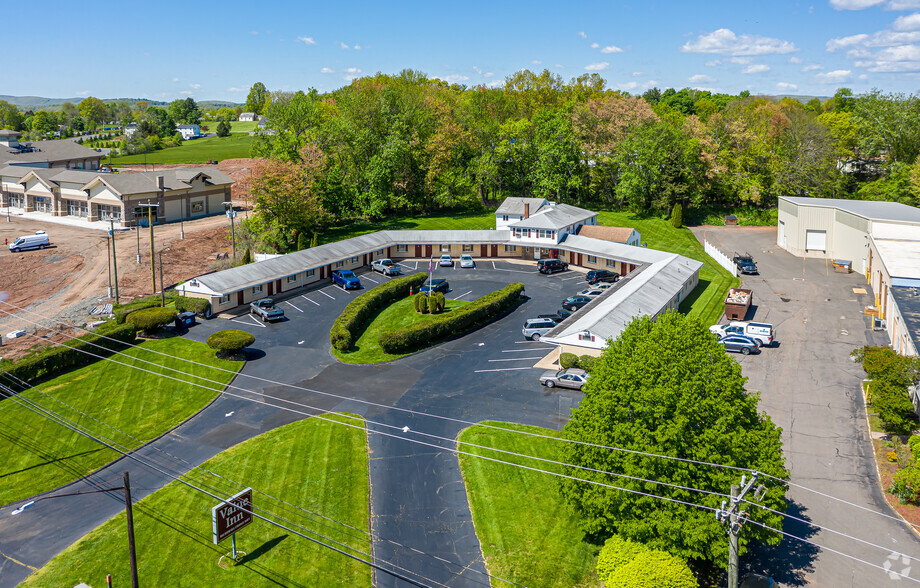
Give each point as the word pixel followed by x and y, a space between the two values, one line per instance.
pixel 193 151
pixel 314 464
pixel 528 535
pixel 397 315
pixel 236 126
pixel 707 301
pixel 40 455
pixel 455 220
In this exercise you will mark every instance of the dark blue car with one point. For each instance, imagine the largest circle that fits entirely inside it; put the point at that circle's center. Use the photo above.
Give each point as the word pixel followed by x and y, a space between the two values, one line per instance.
pixel 346 279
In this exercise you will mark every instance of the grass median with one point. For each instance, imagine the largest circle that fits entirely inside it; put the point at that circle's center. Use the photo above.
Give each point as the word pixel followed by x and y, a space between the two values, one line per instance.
pixel 318 466
pixel 527 533
pixel 395 316
pixel 40 455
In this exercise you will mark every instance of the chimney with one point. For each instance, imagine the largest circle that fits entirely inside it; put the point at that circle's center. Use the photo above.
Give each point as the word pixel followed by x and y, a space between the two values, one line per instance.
pixel 159 182
pixel 526 210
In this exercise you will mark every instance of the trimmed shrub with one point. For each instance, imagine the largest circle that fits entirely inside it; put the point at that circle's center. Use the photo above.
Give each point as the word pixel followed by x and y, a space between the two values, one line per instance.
pixel 906 485
pixel 315 240
pixel 677 216
pixel 230 341
pixel 149 320
pixel 914 444
pixel 616 553
pixel 568 360
pixel 247 257
pixel 199 306
pixel 421 303
pixel 50 361
pixel 354 318
pixel 432 304
pixel 440 301
pixel 653 569
pixel 121 313
pixel 587 362
pixel 478 312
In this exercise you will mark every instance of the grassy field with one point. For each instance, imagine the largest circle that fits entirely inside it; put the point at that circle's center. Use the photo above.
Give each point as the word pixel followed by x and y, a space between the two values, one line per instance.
pixel 194 151
pixel 315 464
pixel 528 535
pixel 40 455
pixel 397 315
pixel 236 126
pixel 707 301
pixel 456 220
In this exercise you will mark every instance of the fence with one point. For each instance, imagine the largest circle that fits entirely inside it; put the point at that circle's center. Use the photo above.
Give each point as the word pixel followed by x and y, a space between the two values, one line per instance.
pixel 722 259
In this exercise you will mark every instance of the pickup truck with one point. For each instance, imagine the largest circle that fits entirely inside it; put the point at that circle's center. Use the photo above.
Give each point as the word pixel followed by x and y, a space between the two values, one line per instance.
pixel 432 286
pixel 266 310
pixel 745 263
pixel 346 279
pixel 387 267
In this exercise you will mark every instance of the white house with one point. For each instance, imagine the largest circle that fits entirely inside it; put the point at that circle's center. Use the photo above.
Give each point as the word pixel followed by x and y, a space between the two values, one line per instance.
pixel 189 131
pixel 247 116
pixel 539 222
pixel 130 129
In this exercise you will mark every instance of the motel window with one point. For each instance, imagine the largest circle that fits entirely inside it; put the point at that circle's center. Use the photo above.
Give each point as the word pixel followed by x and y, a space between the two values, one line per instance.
pixel 339 264
pixel 505 217
pixel 445 248
pixel 585 336
pixel 257 289
pixel 510 248
pixel 611 263
pixel 354 259
pixel 402 248
pixel 467 248
pixel 379 252
pixel 225 299
pixel 310 273
pixel 592 259
pixel 292 279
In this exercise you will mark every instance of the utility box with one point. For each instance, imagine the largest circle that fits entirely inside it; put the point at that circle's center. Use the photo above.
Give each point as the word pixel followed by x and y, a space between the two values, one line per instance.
pixel 737 303
pixel 843 266
pixel 185 319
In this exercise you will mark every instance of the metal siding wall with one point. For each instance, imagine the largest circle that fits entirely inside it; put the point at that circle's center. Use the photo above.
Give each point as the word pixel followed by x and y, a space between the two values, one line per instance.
pixel 793 235
pixel 818 219
pixel 850 243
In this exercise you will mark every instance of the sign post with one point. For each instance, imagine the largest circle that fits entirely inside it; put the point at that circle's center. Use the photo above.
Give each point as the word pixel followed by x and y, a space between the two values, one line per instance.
pixel 230 516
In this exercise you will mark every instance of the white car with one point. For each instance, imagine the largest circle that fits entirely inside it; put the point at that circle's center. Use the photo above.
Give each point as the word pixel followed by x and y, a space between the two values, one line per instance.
pixel 446 261
pixel 467 261
pixel 591 292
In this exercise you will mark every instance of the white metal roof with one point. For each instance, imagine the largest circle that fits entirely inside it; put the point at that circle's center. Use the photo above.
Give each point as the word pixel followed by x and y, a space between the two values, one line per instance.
pixel 555 217
pixel 514 205
pixel 869 209
pixel 901 258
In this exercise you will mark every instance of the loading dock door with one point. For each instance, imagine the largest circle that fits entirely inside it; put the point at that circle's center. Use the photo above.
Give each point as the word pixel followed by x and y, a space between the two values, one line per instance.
pixel 815 240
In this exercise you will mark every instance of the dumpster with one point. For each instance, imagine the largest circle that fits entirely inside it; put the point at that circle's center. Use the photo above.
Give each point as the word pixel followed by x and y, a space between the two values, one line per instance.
pixel 185 319
pixel 737 303
pixel 843 266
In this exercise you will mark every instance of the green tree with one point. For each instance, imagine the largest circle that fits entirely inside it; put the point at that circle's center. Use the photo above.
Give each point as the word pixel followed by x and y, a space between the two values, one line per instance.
pixel 893 406
pixel 93 110
pixel 44 122
pixel 653 569
pixel 258 98
pixel 10 117
pixel 184 112
pixel 302 242
pixel 666 387
pixel 223 129
pixel 247 257
pixel 888 123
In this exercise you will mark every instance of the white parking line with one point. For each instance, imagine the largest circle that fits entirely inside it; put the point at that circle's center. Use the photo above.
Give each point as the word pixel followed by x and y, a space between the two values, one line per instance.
pixel 292 306
pixel 524 342
pixel 371 280
pixel 326 295
pixel 531 350
pixel 254 321
pixel 514 359
pixel 572 278
pixel 308 300
pixel 462 295
pixel 502 370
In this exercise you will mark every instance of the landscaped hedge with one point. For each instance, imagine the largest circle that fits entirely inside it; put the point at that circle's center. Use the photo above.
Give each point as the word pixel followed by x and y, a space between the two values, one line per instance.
pixel 230 341
pixel 151 319
pixel 478 312
pixel 199 306
pixel 50 361
pixel 121 311
pixel 348 327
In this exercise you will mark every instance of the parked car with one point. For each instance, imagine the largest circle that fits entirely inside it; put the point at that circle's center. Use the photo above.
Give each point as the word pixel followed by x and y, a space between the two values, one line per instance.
pixel 595 276
pixel 537 327
pixel 556 318
pixel 266 310
pixel 387 267
pixel 467 261
pixel 591 292
pixel 571 378
pixel 745 263
pixel 37 241
pixel 551 266
pixel 573 303
pixel 446 261
pixel 346 279
pixel 740 344
pixel 763 333
pixel 436 285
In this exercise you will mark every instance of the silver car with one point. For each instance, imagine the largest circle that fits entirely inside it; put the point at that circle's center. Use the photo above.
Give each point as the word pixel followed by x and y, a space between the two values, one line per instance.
pixel 571 378
pixel 467 261
pixel 536 328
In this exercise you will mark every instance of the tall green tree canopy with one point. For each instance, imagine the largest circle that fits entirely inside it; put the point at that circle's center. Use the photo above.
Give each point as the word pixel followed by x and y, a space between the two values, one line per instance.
pixel 666 387
pixel 258 98
pixel 93 110
pixel 10 117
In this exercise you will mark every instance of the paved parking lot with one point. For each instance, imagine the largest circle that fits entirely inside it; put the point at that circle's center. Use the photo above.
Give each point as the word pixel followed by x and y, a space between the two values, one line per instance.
pixel 811 389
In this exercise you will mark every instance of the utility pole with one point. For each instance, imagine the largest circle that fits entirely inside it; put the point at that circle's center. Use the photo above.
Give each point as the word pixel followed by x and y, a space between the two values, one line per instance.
pixel 734 518
pixel 114 259
pixel 162 289
pixel 153 269
pixel 108 266
pixel 231 214
pixel 132 554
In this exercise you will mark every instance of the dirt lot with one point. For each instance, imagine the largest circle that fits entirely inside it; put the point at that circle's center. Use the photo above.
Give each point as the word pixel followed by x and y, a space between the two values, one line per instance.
pixel 61 284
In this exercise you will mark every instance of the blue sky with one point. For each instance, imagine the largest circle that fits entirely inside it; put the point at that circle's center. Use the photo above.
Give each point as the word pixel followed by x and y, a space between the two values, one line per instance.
pixel 170 50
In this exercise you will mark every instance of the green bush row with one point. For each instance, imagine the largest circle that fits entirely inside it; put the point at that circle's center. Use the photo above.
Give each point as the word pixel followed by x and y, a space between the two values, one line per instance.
pixel 427 332
pixel 570 360
pixel 121 311
pixel 430 304
pixel 351 323
pixel 50 361
pixel 149 320
pixel 199 306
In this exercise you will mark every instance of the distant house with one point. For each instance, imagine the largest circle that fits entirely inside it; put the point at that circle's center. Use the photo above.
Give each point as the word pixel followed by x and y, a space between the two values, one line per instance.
pixel 189 131
pixel 624 235
pixel 247 117
pixel 130 129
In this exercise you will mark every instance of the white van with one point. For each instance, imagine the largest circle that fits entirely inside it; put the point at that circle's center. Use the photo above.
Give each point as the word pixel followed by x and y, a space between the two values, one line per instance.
pixel 763 333
pixel 37 241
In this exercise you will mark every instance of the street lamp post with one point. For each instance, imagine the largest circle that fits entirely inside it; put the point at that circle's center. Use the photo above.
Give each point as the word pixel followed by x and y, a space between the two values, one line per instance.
pixel 132 553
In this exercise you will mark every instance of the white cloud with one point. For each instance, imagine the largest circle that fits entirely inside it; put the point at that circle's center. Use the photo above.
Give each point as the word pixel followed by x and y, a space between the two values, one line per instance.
pixel 809 68
pixel 477 70
pixel 495 84
pixel 854 4
pixel 714 63
pixel 903 4
pixel 842 42
pixel 629 85
pixel 353 70
pixel 787 86
pixel 726 42
pixel 536 62
pixel 175 80
pixel 343 45
pixel 306 40
pixel 611 49
pixel 907 23
pixel 636 74
pixel 194 86
pixel 357 47
pixel 834 77
pixel 863 76
pixel 795 60
pixel 327 70
pixel 756 69
pixel 741 60
pixel 582 34
pixel 595 45
pixel 253 32
pixel 488 74
pixel 83 93
pixel 186 92
pixel 599 66
pixel 701 79
pixel 456 78
pixel 233 89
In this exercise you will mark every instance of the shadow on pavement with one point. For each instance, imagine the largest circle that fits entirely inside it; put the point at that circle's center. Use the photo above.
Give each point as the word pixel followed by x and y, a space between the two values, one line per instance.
pixel 790 562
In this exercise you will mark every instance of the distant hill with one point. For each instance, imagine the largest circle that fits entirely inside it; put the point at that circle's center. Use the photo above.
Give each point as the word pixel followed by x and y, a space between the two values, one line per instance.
pixel 39 103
